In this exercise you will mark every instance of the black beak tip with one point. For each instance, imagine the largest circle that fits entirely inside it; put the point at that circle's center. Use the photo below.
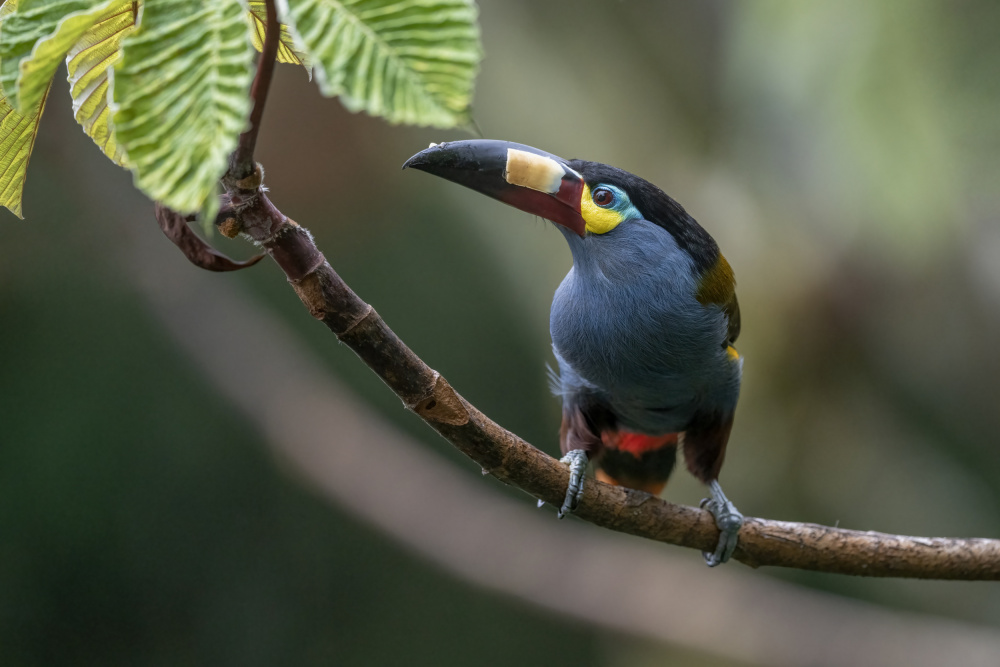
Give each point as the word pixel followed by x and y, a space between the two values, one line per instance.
pixel 421 159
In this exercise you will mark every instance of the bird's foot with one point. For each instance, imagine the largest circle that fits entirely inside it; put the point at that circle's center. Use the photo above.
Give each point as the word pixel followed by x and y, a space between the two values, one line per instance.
pixel 728 519
pixel 577 461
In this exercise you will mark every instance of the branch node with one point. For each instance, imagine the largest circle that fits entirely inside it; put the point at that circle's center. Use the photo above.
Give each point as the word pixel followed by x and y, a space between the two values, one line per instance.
pixel 242 200
pixel 230 227
pixel 288 226
pixel 310 291
pixel 442 405
pixel 368 312
pixel 254 180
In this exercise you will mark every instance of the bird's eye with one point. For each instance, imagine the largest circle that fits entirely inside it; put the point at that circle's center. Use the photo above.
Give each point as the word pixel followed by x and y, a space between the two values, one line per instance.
pixel 604 197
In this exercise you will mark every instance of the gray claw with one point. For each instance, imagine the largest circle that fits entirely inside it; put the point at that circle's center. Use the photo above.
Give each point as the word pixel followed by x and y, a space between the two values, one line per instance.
pixel 577 461
pixel 728 519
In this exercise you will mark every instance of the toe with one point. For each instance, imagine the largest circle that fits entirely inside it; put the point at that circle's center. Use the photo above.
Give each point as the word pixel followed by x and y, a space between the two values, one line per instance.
pixel 577 461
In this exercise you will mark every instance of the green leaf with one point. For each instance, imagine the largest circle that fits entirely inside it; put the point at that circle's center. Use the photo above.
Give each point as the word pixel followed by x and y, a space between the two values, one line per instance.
pixel 33 41
pixel 88 63
pixel 17 138
pixel 287 51
pixel 411 61
pixel 181 99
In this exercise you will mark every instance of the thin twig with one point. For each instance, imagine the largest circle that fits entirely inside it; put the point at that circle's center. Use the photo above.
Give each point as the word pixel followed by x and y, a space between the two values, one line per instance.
pixel 241 161
pixel 516 462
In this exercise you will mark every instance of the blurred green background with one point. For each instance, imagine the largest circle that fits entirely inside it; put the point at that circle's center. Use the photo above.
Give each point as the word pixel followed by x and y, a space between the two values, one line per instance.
pixel 843 154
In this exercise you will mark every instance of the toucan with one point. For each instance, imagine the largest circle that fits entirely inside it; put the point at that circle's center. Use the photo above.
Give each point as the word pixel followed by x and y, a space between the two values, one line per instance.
pixel 642 326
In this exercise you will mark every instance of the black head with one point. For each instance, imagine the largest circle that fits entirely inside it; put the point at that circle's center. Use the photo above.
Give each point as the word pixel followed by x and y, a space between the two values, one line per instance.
pixel 649 203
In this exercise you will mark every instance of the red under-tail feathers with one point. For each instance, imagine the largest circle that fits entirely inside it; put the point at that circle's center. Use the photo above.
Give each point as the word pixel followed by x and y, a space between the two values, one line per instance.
pixel 637 443
pixel 626 453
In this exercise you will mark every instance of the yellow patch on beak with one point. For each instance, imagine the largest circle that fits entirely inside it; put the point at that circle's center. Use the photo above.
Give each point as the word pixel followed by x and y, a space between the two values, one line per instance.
pixel 599 220
pixel 732 353
pixel 533 171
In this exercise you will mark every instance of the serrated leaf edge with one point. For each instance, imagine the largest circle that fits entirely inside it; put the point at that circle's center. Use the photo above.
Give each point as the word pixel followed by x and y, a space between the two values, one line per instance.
pixel 325 85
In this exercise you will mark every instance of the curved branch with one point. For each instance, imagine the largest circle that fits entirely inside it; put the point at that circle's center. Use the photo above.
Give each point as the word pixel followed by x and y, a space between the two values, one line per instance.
pixel 514 461
pixel 175 227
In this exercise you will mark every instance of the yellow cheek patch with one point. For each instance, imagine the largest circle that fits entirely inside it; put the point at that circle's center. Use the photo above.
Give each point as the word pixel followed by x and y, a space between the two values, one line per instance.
pixel 533 171
pixel 599 220
pixel 732 353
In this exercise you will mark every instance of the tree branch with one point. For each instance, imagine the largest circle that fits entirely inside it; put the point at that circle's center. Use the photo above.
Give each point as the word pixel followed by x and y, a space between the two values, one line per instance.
pixel 514 461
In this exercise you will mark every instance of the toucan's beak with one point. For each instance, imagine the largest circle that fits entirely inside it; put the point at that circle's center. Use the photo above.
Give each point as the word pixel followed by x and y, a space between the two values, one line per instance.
pixel 522 176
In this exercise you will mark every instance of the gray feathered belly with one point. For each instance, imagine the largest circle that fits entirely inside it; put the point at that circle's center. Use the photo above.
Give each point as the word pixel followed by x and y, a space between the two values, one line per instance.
pixel 655 363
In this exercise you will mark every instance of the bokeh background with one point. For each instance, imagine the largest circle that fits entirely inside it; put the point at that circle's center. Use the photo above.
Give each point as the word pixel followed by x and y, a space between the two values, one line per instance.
pixel 843 154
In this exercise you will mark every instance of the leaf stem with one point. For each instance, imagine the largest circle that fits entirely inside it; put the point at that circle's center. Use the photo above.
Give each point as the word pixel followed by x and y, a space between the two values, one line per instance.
pixel 198 252
pixel 241 161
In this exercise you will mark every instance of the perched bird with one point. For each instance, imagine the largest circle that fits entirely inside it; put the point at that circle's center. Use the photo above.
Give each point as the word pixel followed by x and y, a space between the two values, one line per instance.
pixel 642 326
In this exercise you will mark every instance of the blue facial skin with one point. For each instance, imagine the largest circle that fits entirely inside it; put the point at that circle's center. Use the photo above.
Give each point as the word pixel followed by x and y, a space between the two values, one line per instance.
pixel 628 331
pixel 621 203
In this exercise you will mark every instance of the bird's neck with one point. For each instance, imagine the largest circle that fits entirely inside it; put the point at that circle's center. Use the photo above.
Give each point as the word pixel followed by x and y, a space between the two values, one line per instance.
pixel 637 254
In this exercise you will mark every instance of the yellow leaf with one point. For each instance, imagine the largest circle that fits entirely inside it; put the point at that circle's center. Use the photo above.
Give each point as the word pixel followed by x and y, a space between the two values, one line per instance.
pixel 287 52
pixel 88 63
pixel 17 138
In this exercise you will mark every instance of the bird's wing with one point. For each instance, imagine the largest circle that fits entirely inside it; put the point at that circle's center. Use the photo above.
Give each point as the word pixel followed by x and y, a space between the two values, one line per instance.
pixel 718 286
pixel 732 311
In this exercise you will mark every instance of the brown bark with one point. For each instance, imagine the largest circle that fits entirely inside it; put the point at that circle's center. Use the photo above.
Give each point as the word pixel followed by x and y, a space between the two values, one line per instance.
pixel 516 462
